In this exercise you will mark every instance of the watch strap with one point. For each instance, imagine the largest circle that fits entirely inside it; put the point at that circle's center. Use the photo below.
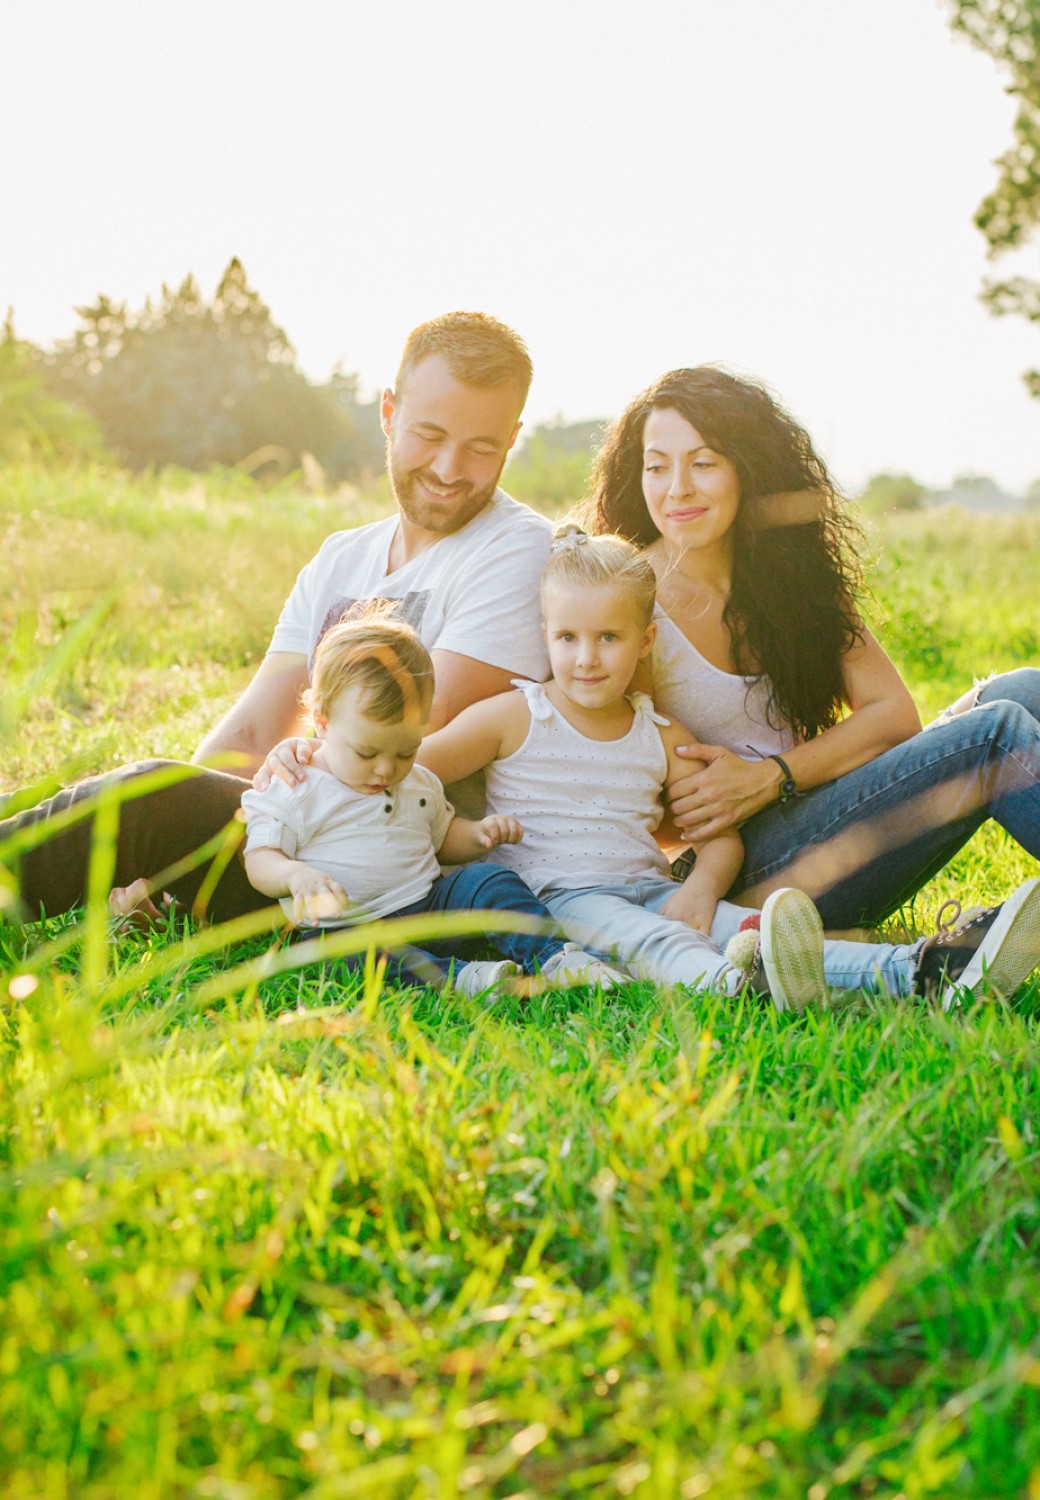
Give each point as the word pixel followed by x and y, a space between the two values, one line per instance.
pixel 788 785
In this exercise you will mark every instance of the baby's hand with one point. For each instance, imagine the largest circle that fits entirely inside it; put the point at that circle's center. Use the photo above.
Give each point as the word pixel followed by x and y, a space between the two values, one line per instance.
pixel 316 896
pixel 286 761
pixel 499 829
pixel 695 908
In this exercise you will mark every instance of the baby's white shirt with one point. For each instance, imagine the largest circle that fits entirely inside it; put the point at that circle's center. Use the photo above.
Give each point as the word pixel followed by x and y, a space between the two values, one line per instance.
pixel 382 849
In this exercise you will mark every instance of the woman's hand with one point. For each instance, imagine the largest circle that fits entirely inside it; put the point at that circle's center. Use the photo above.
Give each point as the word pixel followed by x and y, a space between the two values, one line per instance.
pixel 287 761
pixel 722 792
pixel 497 829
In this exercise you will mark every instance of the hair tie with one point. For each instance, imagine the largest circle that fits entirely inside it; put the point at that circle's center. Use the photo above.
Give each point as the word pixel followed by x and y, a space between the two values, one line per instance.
pixel 568 541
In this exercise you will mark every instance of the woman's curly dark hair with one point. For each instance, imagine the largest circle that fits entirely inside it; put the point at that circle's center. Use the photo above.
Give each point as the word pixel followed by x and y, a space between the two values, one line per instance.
pixel 792 611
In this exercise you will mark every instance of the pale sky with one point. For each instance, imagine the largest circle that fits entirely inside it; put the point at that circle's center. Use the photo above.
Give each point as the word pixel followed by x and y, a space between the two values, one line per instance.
pixel 784 186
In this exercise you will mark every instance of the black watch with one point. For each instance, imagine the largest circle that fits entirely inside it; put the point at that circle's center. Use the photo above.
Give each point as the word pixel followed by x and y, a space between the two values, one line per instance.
pixel 788 786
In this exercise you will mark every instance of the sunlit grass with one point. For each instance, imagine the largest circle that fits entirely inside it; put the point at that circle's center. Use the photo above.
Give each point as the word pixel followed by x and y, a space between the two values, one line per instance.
pixel 261 1235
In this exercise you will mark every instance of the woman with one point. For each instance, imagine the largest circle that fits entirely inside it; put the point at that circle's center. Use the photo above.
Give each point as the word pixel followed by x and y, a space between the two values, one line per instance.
pixel 813 744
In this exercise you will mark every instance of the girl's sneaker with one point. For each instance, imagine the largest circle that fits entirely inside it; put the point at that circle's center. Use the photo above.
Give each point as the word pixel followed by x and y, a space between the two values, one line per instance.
pixel 485 974
pixel 792 950
pixel 998 946
pixel 572 966
pixel 778 952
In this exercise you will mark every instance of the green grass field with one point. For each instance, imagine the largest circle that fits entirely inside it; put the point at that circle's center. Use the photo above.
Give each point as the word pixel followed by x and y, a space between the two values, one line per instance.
pixel 260 1237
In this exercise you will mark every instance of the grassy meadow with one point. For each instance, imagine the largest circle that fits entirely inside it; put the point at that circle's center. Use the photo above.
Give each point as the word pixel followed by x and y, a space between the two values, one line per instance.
pixel 261 1237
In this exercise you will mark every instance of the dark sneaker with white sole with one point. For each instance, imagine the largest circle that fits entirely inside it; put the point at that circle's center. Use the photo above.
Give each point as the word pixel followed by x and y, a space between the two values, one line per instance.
pixel 996 948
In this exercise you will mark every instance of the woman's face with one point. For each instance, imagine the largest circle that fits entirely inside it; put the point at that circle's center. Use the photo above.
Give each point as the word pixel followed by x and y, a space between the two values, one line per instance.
pixel 691 492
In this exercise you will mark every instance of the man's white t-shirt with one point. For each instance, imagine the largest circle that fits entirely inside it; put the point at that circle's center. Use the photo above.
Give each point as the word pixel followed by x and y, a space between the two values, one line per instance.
pixel 474 592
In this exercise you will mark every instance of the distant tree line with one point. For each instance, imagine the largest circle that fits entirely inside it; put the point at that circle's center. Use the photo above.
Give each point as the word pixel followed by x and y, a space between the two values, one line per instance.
pixel 185 381
pixel 198 383
pixel 885 493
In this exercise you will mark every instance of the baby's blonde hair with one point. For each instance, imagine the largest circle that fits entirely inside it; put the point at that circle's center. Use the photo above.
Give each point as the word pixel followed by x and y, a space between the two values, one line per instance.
pixel 576 558
pixel 382 655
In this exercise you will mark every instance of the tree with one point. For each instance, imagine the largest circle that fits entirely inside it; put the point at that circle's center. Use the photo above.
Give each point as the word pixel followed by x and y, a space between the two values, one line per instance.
pixel 552 465
pixel 1009 30
pixel 889 492
pixel 198 383
pixel 32 421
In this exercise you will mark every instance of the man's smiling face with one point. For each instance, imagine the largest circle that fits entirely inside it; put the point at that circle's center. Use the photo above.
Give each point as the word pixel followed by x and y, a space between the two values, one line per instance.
pixel 446 445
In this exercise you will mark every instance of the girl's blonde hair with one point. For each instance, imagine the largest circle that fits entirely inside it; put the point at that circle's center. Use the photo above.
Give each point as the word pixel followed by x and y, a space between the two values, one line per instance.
pixel 576 558
pixel 382 655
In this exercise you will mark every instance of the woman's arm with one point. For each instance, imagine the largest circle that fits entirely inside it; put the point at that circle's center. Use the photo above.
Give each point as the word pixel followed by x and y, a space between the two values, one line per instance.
pixel 730 790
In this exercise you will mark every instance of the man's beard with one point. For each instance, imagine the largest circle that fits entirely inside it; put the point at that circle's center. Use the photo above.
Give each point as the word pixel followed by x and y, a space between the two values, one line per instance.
pixel 440 518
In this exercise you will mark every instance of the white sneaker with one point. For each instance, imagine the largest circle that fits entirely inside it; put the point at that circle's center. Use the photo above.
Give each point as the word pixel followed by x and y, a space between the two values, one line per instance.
pixel 572 966
pixel 485 974
pixel 792 950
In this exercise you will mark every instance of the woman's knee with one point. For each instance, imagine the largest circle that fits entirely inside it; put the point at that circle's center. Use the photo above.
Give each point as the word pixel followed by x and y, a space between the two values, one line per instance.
pixel 1021 686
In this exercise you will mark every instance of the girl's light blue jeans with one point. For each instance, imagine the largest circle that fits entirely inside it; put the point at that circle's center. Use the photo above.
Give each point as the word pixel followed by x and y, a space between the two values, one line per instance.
pixel 623 922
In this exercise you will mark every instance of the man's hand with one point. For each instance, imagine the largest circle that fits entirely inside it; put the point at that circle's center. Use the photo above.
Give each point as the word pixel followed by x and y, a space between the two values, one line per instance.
pixel 316 896
pixel 497 829
pixel 288 761
pixel 722 793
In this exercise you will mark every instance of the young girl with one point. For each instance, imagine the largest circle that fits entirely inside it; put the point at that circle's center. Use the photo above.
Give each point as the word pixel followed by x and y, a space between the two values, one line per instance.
pixel 581 762
pixel 360 837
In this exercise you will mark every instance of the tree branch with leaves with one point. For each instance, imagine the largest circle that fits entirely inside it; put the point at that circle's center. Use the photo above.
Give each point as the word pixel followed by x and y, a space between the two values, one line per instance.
pixel 1009 31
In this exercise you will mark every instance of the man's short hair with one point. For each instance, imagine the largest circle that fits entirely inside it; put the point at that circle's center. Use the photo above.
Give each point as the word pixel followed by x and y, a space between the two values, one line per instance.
pixel 478 350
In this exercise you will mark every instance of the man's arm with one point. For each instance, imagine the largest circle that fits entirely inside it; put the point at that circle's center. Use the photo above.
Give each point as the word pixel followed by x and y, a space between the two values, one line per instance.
pixel 459 681
pixel 269 710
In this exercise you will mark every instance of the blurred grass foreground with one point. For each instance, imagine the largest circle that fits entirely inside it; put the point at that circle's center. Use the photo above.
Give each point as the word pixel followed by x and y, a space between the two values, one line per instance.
pixel 264 1237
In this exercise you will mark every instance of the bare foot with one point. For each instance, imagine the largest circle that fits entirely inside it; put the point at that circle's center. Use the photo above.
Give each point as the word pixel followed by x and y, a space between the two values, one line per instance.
pixel 134 906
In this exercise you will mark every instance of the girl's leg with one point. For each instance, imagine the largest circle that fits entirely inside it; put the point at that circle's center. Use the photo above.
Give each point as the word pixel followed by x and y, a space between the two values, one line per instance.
pixel 620 922
pixel 999 945
pixel 158 828
pixel 866 843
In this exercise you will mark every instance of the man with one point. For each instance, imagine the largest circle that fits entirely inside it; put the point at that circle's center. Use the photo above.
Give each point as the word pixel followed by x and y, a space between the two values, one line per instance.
pixel 461 556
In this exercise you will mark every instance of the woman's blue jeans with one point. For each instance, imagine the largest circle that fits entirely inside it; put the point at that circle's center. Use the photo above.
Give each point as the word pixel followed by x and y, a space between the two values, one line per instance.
pixel 865 844
pixel 476 887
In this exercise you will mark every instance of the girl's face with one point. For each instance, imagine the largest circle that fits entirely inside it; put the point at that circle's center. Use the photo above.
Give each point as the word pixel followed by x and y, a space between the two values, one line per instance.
pixel 691 492
pixel 596 639
pixel 366 754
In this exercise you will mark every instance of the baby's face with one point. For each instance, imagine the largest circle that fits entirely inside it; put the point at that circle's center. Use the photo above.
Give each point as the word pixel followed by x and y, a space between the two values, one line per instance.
pixel 367 754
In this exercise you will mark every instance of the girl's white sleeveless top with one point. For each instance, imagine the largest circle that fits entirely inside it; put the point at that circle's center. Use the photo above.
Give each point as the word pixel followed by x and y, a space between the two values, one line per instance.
pixel 720 708
pixel 588 807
